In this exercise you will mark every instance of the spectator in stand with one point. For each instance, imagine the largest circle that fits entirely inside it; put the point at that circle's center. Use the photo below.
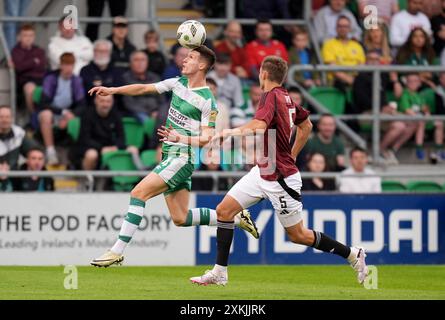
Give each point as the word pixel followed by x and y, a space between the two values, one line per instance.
pixel 342 51
pixel 155 56
pixel 295 95
pixel 299 54
pixel 377 40
pixel 100 71
pixel 144 106
pixel 233 45
pixel 316 164
pixel 35 161
pixel 359 160
pixel 223 118
pixel 13 8
pixel 122 47
pixel 385 9
pixel 362 90
pixel 438 27
pixel 325 21
pixel 13 141
pixel 63 98
pixel 101 132
pixel 66 40
pixel 432 8
pixel 240 116
pixel 412 104
pixel 29 63
pixel 403 22
pixel 440 110
pixel 418 51
pixel 95 9
pixel 326 142
pixel 175 66
pixel 229 85
pixel 262 47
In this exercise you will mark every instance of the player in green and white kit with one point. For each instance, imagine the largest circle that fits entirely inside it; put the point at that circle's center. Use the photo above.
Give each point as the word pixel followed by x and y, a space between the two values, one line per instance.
pixel 191 118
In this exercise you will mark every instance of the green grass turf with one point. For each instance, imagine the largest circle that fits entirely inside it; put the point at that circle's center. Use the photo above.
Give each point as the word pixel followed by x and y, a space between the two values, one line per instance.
pixel 246 282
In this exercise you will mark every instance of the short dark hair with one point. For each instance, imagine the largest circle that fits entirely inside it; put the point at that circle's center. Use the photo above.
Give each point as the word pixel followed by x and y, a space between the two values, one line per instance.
pixel 294 90
pixel 276 68
pixel 27 27
pixel 212 82
pixel 262 21
pixel 151 34
pixel 208 55
pixel 67 58
pixel 223 58
pixel 35 148
pixel 342 16
pixel 357 149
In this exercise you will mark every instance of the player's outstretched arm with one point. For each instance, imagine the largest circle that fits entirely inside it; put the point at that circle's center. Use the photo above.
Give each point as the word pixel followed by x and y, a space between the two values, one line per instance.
pixel 303 131
pixel 170 134
pixel 128 90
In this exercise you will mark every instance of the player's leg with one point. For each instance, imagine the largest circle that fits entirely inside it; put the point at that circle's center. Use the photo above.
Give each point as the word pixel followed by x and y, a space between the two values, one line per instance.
pixel 244 193
pixel 149 187
pixel 299 234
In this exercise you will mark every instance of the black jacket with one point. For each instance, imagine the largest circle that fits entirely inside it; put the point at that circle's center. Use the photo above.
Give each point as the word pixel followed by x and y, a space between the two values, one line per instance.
pixel 28 184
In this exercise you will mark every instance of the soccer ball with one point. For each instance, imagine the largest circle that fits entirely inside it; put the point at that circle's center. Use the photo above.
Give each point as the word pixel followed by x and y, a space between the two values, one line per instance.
pixel 191 34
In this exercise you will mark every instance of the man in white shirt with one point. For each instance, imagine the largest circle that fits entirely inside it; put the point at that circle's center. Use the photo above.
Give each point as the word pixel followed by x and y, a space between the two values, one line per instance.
pixel 66 40
pixel 406 20
pixel 359 159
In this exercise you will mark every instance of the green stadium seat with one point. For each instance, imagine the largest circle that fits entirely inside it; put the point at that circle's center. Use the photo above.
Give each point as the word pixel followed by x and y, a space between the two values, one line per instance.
pixel 37 95
pixel 333 99
pixel 121 160
pixel 73 128
pixel 134 132
pixel 424 186
pixel 149 127
pixel 403 4
pixel 149 158
pixel 391 186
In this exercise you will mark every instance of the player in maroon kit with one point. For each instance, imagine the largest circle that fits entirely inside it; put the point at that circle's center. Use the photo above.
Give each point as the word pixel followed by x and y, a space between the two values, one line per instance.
pixel 281 184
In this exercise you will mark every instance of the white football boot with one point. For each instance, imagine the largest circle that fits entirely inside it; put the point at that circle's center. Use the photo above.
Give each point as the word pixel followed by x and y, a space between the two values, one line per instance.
pixel 359 264
pixel 210 277
pixel 107 259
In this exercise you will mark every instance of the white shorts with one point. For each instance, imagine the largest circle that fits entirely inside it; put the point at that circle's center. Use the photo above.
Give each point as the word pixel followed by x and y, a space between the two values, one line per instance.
pixel 252 189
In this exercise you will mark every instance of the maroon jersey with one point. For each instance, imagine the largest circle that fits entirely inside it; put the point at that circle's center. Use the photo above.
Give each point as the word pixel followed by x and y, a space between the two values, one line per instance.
pixel 280 113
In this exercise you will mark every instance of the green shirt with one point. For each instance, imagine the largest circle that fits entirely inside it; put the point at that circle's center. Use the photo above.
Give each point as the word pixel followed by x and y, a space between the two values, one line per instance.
pixel 411 100
pixel 329 150
pixel 189 110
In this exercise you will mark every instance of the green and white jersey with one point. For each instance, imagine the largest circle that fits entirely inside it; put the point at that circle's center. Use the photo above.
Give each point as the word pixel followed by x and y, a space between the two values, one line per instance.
pixel 189 110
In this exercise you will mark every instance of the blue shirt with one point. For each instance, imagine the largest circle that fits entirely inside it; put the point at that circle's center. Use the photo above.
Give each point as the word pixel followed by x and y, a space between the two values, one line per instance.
pixel 63 98
pixel 305 59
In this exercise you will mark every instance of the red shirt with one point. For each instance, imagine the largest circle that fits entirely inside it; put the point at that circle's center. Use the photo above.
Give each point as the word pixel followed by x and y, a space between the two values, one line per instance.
pixel 280 113
pixel 257 51
pixel 238 56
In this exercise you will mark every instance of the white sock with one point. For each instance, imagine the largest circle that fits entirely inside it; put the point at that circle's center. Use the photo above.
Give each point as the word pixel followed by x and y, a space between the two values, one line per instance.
pixel 237 220
pixel 353 255
pixel 219 269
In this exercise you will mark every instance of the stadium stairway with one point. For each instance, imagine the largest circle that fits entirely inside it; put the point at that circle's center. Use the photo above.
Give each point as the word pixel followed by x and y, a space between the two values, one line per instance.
pixel 173 9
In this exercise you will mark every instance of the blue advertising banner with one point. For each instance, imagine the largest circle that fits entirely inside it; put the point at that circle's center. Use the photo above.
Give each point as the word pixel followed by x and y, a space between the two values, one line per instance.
pixel 395 229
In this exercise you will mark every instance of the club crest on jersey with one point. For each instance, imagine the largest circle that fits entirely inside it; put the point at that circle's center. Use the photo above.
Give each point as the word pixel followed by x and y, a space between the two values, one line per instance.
pixel 213 115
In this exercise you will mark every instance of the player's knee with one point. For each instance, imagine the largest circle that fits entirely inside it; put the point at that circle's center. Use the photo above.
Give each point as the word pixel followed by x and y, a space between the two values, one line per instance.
pixel 223 213
pixel 45 116
pixel 179 221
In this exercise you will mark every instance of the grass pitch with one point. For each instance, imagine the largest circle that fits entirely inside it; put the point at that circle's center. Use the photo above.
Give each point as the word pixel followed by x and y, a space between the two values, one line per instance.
pixel 245 282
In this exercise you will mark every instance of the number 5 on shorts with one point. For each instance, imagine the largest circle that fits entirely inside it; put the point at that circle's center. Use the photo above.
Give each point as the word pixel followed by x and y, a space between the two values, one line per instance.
pixel 283 202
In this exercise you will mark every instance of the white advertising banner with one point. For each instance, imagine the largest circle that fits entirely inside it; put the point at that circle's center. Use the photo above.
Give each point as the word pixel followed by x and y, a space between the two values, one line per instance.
pixel 62 229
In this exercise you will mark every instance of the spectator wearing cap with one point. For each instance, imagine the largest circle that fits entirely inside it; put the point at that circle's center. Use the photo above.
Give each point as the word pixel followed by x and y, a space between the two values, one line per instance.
pixel 35 161
pixel 122 47
pixel 229 85
pixel 155 56
pixel 403 22
pixel 100 71
pixel 95 9
pixel 175 66
pixel 262 47
pixel 63 97
pixel 66 40
pixel 29 63
pixel 233 45
pixel 325 21
pixel 143 106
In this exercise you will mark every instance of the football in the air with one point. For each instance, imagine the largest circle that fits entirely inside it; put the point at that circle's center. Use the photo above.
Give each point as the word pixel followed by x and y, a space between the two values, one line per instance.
pixel 191 34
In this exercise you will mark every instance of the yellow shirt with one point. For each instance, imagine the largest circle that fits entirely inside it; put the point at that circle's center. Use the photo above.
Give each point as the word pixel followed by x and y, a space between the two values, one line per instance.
pixel 341 53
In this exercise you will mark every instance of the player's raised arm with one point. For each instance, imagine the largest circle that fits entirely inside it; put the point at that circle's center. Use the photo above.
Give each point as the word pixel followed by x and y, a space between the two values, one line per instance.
pixel 303 131
pixel 128 90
